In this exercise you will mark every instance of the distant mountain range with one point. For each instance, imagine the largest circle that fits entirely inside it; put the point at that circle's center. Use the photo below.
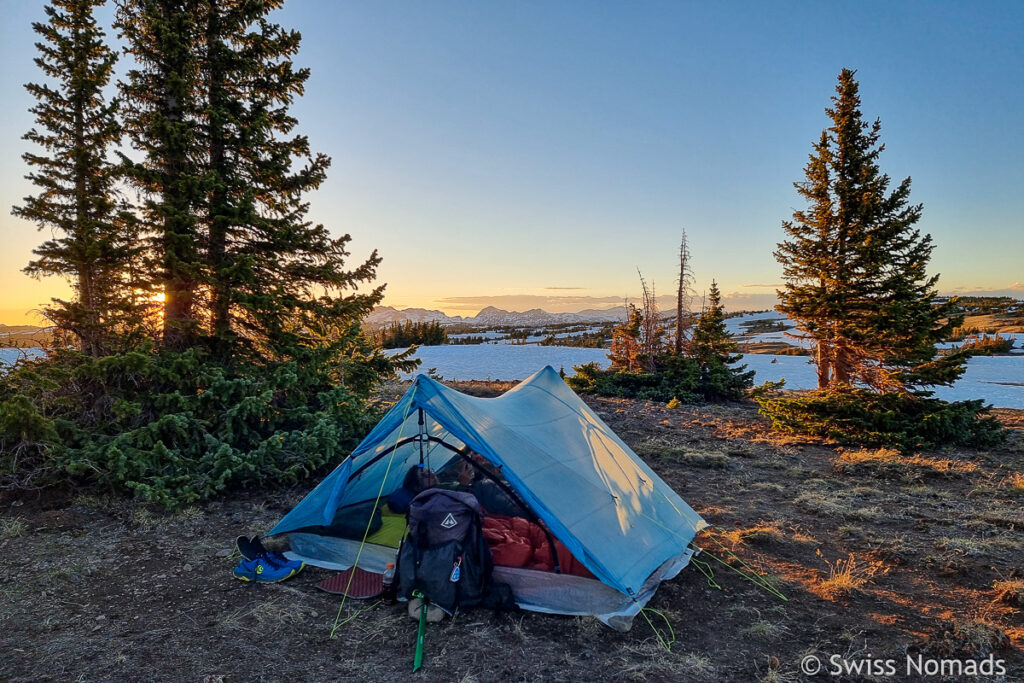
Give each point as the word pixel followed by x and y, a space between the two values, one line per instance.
pixel 383 316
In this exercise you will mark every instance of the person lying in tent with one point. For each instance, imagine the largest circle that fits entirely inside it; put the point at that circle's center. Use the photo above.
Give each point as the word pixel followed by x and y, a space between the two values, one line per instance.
pixel 479 478
pixel 418 478
pixel 485 482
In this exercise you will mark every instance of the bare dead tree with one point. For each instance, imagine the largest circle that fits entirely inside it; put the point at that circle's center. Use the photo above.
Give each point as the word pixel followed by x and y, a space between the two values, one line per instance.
pixel 651 331
pixel 684 317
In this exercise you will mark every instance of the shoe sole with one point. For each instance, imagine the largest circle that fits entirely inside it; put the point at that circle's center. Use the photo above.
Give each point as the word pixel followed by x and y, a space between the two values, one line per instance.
pixel 248 580
pixel 283 578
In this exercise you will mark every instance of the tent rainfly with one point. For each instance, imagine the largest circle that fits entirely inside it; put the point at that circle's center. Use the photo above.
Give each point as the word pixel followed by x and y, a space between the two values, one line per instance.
pixel 594 495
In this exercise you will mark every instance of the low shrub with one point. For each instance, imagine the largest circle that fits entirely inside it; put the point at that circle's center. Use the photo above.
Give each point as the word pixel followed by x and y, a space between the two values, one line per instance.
pixel 984 345
pixel 676 378
pixel 898 420
pixel 173 428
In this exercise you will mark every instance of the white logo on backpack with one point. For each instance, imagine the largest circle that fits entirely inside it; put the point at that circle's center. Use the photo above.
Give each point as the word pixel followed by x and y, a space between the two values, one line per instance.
pixel 449 521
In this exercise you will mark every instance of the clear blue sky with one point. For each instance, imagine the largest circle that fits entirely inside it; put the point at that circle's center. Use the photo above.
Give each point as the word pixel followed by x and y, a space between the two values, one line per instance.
pixel 549 149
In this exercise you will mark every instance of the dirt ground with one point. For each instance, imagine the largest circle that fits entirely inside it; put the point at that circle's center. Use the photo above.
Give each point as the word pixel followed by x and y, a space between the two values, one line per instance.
pixel 880 556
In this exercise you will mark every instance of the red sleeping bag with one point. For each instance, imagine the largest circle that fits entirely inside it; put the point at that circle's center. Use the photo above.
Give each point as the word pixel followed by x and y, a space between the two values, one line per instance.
pixel 517 542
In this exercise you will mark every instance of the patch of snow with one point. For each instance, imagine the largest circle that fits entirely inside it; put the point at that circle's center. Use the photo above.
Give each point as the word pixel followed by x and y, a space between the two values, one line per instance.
pixel 998 380
pixel 734 324
pixel 502 361
pixel 796 370
pixel 784 337
pixel 9 356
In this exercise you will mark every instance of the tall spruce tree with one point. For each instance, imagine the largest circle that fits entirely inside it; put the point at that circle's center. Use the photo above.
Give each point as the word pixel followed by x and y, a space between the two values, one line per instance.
pixel 163 102
pixel 856 267
pixel 711 337
pixel 244 271
pixel 276 280
pixel 77 196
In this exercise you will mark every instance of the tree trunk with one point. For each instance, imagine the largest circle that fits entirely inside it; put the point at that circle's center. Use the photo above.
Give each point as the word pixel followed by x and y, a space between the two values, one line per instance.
pixel 824 365
pixel 681 307
pixel 178 237
pixel 220 304
pixel 87 327
pixel 842 366
pixel 679 321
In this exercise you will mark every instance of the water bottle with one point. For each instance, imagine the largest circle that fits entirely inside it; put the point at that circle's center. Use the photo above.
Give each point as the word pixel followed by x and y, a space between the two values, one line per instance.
pixel 390 594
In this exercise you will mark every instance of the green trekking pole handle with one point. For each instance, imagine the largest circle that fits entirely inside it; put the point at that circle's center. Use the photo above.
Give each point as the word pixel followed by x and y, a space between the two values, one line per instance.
pixel 417 660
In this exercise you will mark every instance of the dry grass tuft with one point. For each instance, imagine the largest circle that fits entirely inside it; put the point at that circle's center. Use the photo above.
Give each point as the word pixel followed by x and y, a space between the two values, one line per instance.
pixel 763 630
pixel 98 501
pixel 775 674
pixel 1010 591
pixel 686 457
pixel 819 504
pixel 143 519
pixel 190 514
pixel 760 531
pixel 966 640
pixel 988 548
pixel 12 527
pixel 846 576
pixel 696 667
pixel 588 625
pixel 271 615
pixel 888 460
pixel 885 456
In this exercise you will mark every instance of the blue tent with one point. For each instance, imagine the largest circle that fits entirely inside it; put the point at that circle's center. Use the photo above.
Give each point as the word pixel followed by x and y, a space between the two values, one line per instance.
pixel 616 516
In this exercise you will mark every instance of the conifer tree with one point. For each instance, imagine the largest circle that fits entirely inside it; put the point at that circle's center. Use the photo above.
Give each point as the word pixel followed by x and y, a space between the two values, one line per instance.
pixel 855 265
pixel 711 337
pixel 163 101
pixel 274 277
pixel 77 197
pixel 243 270
pixel 626 351
pixel 715 350
pixel 406 334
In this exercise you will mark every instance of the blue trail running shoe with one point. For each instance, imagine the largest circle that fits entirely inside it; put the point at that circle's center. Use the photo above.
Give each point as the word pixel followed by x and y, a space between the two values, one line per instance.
pixel 269 568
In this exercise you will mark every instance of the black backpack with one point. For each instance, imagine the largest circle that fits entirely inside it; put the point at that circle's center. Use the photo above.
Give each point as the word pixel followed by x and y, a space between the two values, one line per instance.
pixel 445 556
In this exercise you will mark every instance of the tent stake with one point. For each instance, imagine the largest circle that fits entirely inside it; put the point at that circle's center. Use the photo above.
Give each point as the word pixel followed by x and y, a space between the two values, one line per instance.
pixel 417 660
